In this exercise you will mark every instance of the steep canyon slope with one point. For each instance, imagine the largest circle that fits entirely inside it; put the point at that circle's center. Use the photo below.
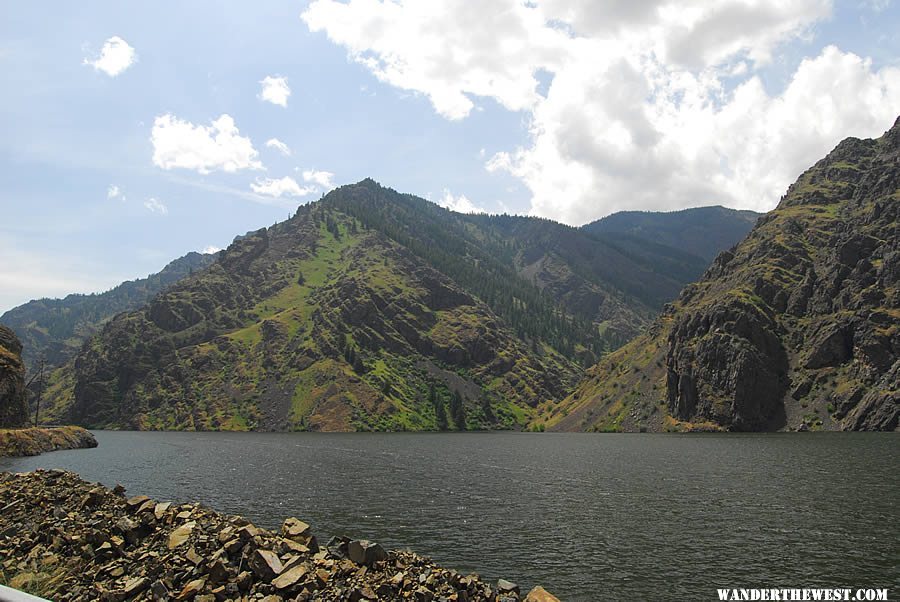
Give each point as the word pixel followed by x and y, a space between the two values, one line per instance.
pixel 797 328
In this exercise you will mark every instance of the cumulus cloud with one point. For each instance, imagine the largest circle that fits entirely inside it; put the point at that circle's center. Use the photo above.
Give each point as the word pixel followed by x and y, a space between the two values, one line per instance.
pixel 322 178
pixel 275 89
pixel 211 250
pixel 650 105
pixel 444 49
pixel 460 204
pixel 181 144
pixel 278 145
pixel 154 205
pixel 113 192
pixel 277 188
pixel 115 57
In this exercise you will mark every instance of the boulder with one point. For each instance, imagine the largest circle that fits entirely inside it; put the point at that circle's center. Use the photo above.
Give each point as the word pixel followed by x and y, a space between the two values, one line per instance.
pixel 180 535
pixel 365 552
pixel 290 577
pixel 265 564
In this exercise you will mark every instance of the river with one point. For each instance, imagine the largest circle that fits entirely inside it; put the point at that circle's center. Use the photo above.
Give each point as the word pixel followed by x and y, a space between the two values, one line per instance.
pixel 589 517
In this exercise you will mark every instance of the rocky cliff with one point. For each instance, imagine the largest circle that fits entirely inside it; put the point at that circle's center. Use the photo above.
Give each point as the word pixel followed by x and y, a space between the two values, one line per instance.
pixel 797 327
pixel 13 402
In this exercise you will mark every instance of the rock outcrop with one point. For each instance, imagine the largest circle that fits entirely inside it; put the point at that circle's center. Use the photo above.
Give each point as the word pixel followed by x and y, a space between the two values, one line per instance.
pixel 797 327
pixel 35 441
pixel 70 540
pixel 13 401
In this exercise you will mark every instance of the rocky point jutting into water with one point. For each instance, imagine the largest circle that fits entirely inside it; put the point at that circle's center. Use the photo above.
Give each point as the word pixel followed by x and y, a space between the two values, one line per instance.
pixel 66 539
pixel 797 327
pixel 34 441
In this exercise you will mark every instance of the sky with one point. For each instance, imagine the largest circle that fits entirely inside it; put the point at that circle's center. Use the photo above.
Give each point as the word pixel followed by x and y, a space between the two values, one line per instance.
pixel 133 133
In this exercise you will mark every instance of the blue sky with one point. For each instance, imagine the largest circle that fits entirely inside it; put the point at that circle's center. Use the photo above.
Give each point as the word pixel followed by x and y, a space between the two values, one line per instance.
pixel 569 109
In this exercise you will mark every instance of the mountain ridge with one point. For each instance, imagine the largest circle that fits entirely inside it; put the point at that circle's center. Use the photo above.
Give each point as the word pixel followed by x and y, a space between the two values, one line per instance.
pixel 56 328
pixel 797 327
pixel 372 310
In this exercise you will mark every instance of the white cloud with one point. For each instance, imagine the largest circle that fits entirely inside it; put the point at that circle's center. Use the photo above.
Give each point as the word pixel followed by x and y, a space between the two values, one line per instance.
pixel 179 143
pixel 275 89
pixel 286 186
pixel 280 146
pixel 650 105
pixel 113 192
pixel 154 205
pixel 211 250
pixel 460 204
pixel 322 178
pixel 445 49
pixel 115 57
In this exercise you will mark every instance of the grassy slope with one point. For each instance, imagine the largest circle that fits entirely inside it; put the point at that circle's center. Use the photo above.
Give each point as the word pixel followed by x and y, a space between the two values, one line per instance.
pixel 283 368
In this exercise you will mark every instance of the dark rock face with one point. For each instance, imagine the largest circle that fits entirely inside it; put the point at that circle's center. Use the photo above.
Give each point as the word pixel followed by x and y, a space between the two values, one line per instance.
pixel 796 327
pixel 727 364
pixel 820 318
pixel 13 403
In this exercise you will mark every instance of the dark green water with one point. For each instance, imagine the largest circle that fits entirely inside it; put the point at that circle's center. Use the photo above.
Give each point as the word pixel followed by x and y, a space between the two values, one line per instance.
pixel 590 517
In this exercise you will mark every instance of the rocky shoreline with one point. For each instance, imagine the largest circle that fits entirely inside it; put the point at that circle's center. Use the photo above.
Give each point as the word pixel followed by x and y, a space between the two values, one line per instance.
pixel 69 540
pixel 35 441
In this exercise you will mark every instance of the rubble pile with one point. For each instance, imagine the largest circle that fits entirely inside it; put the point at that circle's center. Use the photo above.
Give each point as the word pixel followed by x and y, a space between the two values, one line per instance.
pixel 69 540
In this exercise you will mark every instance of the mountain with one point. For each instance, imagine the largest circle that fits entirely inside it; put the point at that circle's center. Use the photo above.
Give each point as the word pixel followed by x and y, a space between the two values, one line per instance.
pixel 322 322
pixel 56 328
pixel 373 310
pixel 701 231
pixel 797 328
pixel 13 405
pixel 618 285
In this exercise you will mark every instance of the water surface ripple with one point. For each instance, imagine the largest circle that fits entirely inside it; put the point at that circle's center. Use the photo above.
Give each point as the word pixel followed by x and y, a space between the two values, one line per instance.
pixel 590 517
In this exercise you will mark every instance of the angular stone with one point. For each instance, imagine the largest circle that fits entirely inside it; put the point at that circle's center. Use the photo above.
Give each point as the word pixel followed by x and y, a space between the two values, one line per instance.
pixel 244 580
pixel 160 509
pixel 233 547
pixel 506 587
pixel 181 534
pixel 363 593
pixel 539 594
pixel 135 586
pixel 193 556
pixel 159 592
pixel 290 577
pixel 136 501
pixel 192 589
pixel 217 571
pixel 365 552
pixel 423 595
pixel 248 532
pixel 265 564
pixel 294 528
